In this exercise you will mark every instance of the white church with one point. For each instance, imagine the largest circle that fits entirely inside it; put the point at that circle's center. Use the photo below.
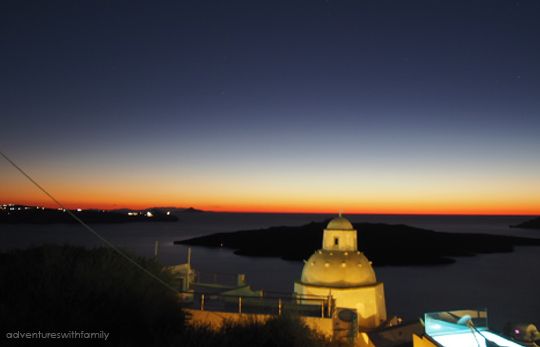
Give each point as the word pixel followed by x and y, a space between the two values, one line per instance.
pixel 341 271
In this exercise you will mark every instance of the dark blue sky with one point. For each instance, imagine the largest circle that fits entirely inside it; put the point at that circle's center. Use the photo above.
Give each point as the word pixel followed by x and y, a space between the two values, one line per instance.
pixel 363 105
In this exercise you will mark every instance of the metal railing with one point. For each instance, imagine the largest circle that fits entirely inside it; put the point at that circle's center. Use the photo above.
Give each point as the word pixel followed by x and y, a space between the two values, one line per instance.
pixel 307 306
pixel 214 278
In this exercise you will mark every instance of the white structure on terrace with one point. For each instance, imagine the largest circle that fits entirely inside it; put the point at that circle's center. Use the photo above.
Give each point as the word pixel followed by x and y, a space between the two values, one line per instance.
pixel 341 271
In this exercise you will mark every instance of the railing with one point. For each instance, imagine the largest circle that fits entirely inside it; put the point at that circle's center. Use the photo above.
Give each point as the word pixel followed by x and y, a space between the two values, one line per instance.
pixel 214 278
pixel 271 305
pixel 206 297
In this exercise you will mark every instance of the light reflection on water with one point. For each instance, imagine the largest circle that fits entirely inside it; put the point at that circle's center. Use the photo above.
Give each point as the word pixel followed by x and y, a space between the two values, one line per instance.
pixel 506 283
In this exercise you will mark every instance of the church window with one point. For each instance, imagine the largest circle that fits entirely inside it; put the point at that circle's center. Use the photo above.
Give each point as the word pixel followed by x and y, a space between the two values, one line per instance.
pixel 336 241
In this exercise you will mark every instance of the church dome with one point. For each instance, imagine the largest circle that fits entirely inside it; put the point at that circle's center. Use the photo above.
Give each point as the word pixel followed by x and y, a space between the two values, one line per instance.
pixel 339 223
pixel 338 269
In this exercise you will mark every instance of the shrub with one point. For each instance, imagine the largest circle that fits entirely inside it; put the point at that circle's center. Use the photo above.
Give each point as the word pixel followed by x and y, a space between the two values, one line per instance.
pixel 54 288
pixel 277 331
pixel 60 289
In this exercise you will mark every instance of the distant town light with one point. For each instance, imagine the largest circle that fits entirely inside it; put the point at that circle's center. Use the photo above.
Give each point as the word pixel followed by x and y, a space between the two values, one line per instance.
pixel 149 214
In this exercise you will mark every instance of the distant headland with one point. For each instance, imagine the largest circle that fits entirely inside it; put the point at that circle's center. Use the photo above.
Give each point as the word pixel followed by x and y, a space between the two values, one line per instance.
pixel 19 214
pixel 383 244
pixel 530 224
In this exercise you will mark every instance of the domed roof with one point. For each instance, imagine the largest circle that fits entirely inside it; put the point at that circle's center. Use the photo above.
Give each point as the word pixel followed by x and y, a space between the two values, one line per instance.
pixel 338 269
pixel 340 223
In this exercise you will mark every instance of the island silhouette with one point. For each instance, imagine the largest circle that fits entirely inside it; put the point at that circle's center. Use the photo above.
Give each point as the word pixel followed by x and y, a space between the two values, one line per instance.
pixel 530 224
pixel 383 244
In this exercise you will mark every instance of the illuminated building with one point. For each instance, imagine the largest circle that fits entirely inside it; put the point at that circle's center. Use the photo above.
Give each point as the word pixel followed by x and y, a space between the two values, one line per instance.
pixel 339 270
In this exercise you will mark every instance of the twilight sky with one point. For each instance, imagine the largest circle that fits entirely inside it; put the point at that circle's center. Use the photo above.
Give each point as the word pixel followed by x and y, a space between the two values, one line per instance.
pixel 296 106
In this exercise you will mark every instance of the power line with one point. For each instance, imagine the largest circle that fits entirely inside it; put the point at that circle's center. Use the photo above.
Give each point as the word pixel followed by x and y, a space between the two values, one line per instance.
pixel 87 226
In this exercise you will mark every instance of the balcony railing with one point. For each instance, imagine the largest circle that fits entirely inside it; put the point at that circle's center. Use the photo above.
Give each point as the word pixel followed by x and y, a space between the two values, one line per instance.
pixel 266 304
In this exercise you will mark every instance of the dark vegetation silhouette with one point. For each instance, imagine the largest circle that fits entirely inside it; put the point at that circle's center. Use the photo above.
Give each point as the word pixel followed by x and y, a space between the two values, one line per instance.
pixel 277 331
pixel 63 288
pixel 54 288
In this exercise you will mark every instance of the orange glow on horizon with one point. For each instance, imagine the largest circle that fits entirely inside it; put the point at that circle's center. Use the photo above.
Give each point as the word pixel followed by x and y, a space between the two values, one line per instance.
pixel 253 199
pixel 386 195
pixel 285 208
pixel 382 212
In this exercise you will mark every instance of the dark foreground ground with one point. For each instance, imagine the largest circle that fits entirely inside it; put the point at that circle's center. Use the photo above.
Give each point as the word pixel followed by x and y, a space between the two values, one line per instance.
pixel 65 291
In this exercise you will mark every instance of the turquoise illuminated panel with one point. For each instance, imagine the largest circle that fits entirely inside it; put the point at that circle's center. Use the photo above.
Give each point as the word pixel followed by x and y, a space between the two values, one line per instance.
pixel 471 339
pixel 463 328
pixel 453 322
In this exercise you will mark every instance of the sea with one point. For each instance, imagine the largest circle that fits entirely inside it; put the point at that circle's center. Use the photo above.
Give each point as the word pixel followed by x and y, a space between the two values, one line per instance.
pixel 506 284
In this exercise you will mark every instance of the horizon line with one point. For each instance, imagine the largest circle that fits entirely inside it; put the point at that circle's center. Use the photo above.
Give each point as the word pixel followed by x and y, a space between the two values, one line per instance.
pixel 278 211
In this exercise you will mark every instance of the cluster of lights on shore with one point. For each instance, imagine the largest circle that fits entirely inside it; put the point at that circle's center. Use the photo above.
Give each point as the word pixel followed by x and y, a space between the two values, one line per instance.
pixel 13 207
pixel 147 214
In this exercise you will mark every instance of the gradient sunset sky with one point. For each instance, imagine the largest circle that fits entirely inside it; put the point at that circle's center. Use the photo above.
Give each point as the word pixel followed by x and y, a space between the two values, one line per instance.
pixel 277 106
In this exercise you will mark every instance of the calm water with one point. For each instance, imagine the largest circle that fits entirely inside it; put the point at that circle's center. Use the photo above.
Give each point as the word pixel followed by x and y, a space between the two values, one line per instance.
pixel 507 284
